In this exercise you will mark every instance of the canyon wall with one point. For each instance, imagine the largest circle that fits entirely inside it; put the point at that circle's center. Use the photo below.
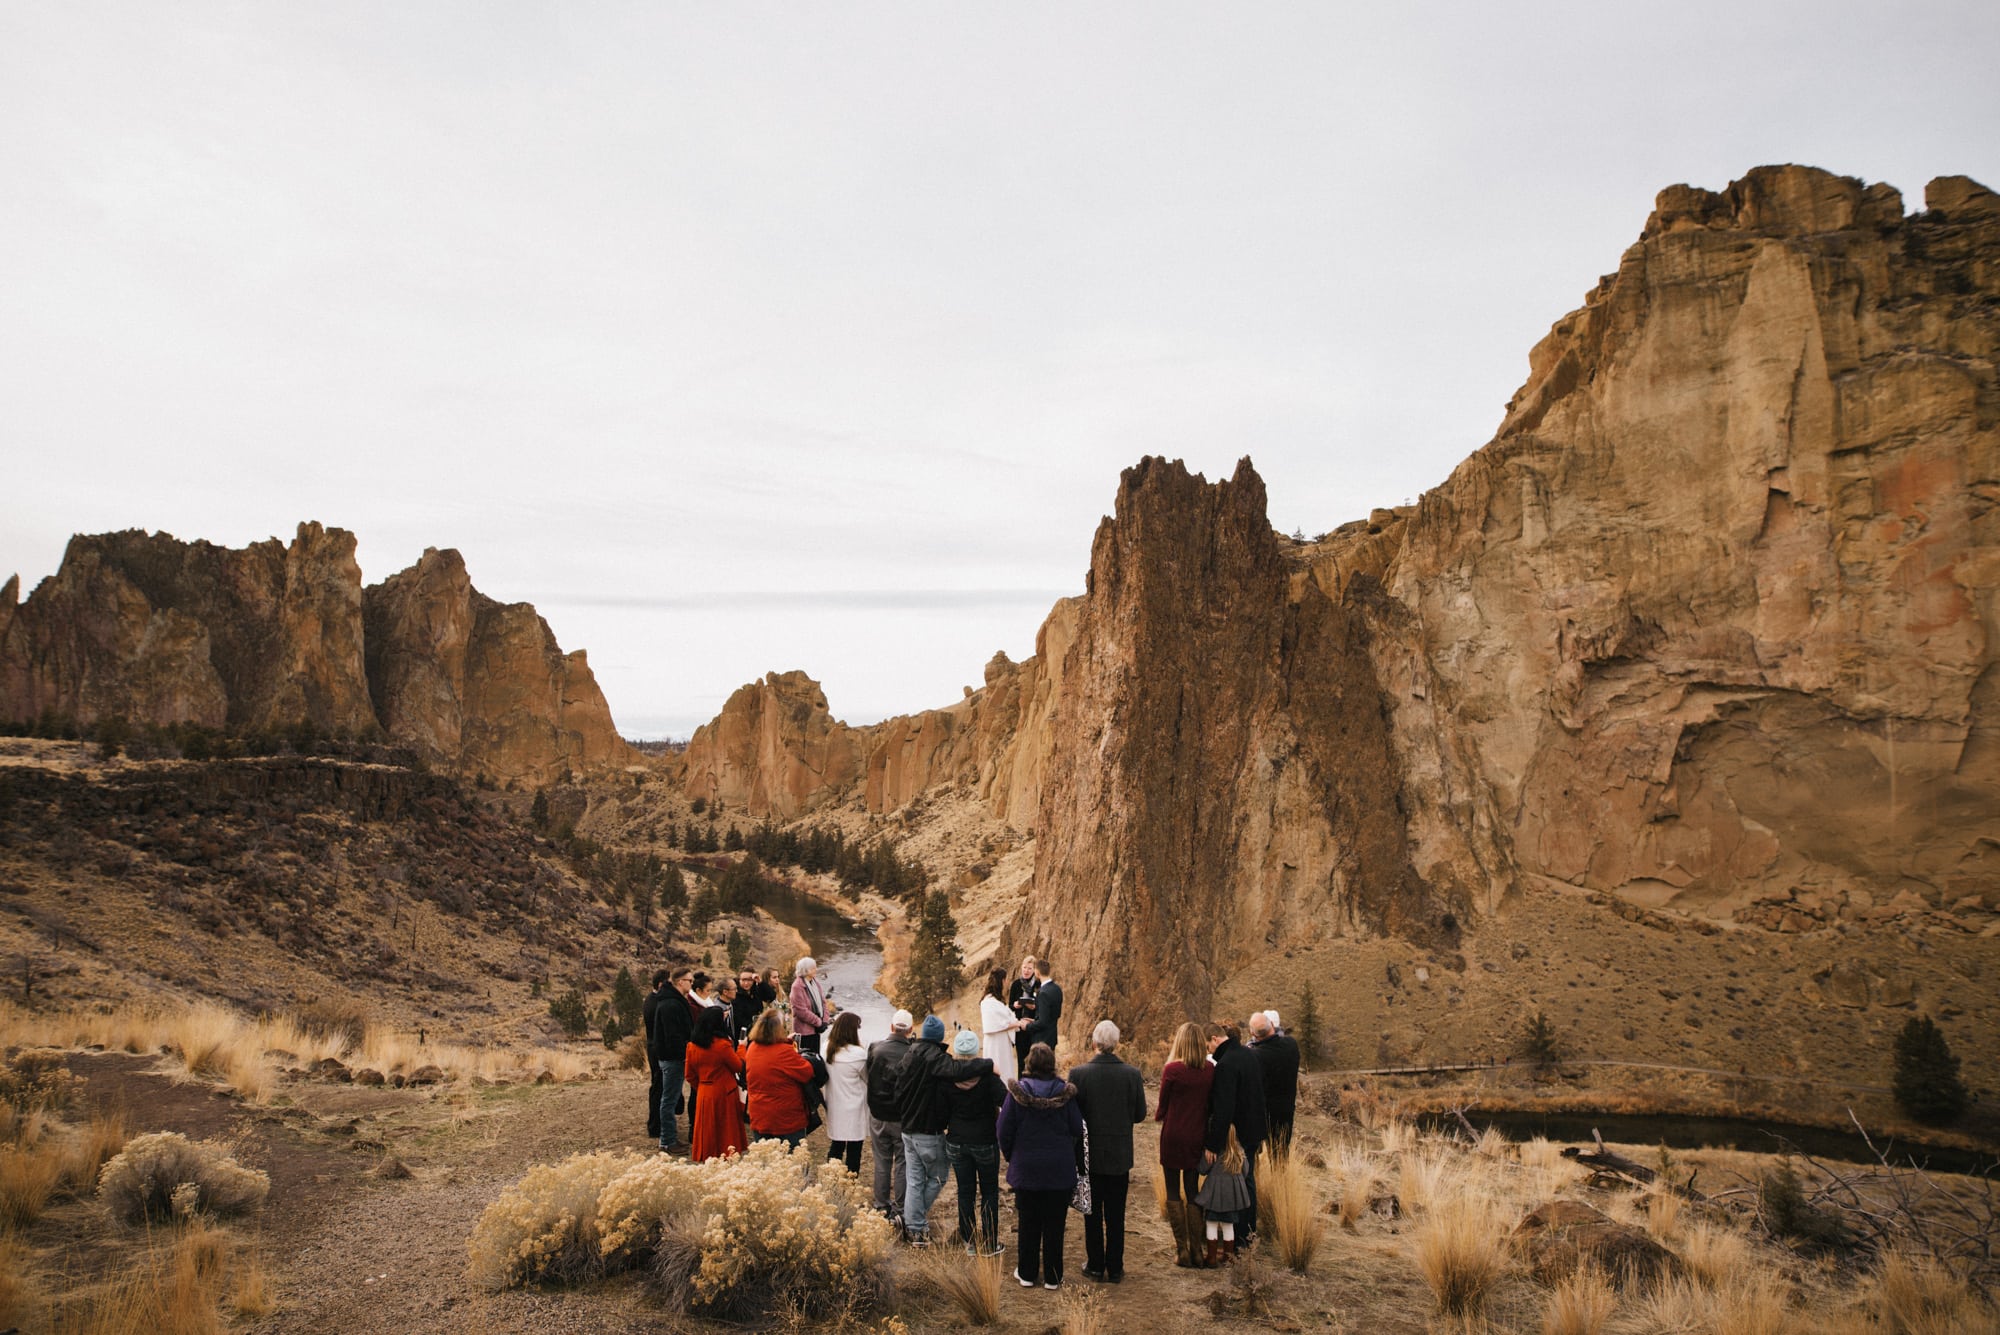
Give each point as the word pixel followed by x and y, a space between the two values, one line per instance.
pixel 1708 627
pixel 145 627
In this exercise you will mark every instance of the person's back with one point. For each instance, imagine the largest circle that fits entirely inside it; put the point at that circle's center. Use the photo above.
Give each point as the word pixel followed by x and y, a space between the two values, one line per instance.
pixel 776 1075
pixel 973 1109
pixel 1112 1096
pixel 885 1068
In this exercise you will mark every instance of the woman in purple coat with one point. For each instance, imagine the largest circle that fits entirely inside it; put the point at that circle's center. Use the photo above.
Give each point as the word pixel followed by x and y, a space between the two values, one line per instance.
pixel 1040 1130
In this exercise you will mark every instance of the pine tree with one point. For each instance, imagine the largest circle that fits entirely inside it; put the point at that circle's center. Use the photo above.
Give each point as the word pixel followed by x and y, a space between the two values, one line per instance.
pixel 733 841
pixel 538 813
pixel 1539 1043
pixel 1307 1028
pixel 569 1011
pixel 626 1001
pixel 936 967
pixel 705 905
pixel 1927 1084
pixel 739 948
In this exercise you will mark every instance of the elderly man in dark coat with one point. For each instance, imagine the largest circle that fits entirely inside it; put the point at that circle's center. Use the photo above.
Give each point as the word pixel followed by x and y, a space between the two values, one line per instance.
pixel 1278 1062
pixel 1236 1099
pixel 1112 1096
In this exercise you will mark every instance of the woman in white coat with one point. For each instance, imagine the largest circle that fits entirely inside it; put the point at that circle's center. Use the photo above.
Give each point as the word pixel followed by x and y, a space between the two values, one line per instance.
pixel 997 1024
pixel 846 1091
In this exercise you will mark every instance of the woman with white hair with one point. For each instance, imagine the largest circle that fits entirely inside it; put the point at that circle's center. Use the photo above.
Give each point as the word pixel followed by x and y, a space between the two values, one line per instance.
pixel 808 1005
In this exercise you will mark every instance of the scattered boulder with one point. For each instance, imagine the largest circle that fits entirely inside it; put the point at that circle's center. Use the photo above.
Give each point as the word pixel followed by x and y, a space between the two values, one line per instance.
pixel 1558 1236
pixel 333 1069
pixel 426 1075
pixel 368 1075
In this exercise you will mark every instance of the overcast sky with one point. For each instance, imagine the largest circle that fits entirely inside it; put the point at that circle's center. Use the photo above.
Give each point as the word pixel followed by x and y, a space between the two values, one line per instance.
pixel 741 337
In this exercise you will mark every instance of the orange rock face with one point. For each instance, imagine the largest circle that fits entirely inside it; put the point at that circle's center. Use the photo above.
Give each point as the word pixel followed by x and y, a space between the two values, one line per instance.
pixel 774 750
pixel 154 630
pixel 478 686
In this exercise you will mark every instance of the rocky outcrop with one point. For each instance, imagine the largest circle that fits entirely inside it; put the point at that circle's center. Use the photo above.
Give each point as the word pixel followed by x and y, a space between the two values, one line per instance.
pixel 1708 627
pixel 774 750
pixel 479 686
pixel 145 627
pixel 1216 777
pixel 1713 617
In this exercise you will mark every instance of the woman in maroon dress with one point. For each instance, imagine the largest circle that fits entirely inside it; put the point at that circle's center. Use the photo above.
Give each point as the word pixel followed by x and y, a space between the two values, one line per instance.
pixel 1183 1118
pixel 712 1067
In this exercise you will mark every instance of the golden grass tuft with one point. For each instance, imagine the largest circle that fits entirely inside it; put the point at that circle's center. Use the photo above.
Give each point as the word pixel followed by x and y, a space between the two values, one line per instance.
pixel 1359 1176
pixel 1714 1254
pixel 970 1283
pixel 28 1178
pixel 1579 1305
pixel 1423 1177
pixel 174 1291
pixel 1461 1251
pixel 17 1293
pixel 1750 1303
pixel 1296 1226
pixel 1663 1213
pixel 1082 1312
pixel 250 1292
pixel 1917 1296
pixel 93 1145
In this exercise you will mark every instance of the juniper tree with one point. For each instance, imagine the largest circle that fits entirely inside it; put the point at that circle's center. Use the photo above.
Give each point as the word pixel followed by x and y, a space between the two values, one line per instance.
pixel 1927 1084
pixel 936 966
pixel 626 1001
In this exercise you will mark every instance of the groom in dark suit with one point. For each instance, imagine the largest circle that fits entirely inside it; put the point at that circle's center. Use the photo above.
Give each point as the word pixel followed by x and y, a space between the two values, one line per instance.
pixel 1048 1008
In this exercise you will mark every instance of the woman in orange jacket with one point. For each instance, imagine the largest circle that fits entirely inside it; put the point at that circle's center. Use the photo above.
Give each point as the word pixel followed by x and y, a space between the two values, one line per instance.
pixel 777 1075
pixel 712 1067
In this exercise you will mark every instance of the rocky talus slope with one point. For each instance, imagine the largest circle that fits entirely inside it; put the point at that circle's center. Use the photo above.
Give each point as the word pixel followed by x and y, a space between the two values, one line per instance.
pixel 145 627
pixel 1705 635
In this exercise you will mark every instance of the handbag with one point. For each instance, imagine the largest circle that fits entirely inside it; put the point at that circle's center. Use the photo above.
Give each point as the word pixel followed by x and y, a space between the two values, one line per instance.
pixel 1079 1199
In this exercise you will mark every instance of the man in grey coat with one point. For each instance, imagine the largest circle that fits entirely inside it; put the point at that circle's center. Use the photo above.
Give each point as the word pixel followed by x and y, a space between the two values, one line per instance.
pixel 1112 1096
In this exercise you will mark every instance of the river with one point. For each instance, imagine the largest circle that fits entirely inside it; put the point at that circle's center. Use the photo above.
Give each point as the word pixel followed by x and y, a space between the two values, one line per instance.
pixel 849 956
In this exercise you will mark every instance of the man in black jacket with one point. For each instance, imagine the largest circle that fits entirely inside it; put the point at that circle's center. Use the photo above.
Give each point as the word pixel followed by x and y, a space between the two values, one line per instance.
pixel 1048 1008
pixel 667 1045
pixel 646 1010
pixel 885 1126
pixel 1112 1096
pixel 1236 1099
pixel 1278 1064
pixel 923 1104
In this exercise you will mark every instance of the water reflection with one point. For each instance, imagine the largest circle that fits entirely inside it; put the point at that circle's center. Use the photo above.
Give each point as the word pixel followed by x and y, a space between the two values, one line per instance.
pixel 849 957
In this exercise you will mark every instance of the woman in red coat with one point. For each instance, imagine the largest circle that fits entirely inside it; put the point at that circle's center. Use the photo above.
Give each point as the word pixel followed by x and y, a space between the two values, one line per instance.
pixel 777 1076
pixel 1183 1118
pixel 712 1067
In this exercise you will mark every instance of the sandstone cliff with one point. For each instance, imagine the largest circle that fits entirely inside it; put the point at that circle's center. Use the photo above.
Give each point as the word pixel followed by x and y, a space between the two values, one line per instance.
pixel 155 630
pixel 479 686
pixel 1709 626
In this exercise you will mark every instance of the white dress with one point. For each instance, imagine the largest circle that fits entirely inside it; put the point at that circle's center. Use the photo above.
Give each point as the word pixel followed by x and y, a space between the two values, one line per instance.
pixel 996 1020
pixel 847 1094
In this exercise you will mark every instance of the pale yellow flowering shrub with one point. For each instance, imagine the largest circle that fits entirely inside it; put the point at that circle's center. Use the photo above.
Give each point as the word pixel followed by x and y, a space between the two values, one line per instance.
pixel 631 1210
pixel 544 1227
pixel 166 1176
pixel 776 1230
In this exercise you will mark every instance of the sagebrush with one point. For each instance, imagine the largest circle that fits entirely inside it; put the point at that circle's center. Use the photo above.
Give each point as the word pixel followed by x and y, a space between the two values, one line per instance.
pixel 164 1175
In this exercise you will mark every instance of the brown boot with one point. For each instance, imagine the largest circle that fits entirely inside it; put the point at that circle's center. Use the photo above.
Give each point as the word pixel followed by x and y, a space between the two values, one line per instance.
pixel 1228 1250
pixel 1183 1246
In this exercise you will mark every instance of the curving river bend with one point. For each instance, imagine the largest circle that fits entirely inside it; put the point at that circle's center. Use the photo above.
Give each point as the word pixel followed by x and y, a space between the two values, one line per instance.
pixel 849 956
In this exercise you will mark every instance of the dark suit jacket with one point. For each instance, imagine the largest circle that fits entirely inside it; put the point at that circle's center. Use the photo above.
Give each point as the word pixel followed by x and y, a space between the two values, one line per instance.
pixel 1278 1061
pixel 1112 1095
pixel 1048 1012
pixel 1235 1099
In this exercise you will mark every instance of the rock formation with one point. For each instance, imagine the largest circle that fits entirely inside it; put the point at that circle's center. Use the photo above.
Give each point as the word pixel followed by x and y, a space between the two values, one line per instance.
pixel 151 629
pixel 774 750
pixel 1709 626
pixel 144 626
pixel 479 686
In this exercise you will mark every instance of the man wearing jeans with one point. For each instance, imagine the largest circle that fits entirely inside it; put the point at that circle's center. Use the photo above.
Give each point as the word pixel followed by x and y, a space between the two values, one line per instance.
pixel 922 1101
pixel 673 1026
pixel 885 1132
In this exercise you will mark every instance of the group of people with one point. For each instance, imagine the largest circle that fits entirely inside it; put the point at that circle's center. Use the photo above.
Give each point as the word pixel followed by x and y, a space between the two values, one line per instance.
pixel 746 1067
pixel 757 1062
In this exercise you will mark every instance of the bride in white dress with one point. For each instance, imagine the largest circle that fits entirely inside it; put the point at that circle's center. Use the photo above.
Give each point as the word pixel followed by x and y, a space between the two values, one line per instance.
pixel 997 1024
